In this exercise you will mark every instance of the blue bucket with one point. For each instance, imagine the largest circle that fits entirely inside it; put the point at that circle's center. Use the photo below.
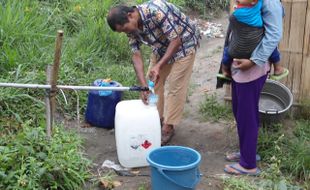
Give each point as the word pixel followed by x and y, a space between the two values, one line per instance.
pixel 174 168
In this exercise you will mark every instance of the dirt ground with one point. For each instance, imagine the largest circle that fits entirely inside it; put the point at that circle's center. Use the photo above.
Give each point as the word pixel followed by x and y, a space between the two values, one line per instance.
pixel 211 139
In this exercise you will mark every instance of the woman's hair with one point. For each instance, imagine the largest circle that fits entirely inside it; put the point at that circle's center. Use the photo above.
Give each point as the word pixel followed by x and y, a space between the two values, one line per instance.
pixel 118 16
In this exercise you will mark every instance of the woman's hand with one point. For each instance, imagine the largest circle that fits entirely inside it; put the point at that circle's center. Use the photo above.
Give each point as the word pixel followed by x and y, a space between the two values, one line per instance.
pixel 243 64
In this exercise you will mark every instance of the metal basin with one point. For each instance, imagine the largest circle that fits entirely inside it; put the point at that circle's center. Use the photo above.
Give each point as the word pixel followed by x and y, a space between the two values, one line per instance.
pixel 275 100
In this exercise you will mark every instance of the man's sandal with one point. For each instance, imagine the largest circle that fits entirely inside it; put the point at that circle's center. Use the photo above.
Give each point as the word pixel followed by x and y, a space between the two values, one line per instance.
pixel 166 137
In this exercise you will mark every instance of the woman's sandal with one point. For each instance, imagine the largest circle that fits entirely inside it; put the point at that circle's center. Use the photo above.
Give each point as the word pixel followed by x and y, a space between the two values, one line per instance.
pixel 233 169
pixel 235 157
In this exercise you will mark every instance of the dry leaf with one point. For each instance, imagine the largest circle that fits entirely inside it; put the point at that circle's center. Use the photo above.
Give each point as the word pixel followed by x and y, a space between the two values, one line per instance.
pixel 116 183
pixel 106 184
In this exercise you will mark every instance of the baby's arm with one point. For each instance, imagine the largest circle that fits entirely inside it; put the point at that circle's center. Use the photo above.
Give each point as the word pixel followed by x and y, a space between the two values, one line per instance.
pixel 272 13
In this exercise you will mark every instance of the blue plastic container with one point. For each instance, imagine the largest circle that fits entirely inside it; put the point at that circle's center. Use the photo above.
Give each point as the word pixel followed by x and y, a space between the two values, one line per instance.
pixel 174 168
pixel 100 110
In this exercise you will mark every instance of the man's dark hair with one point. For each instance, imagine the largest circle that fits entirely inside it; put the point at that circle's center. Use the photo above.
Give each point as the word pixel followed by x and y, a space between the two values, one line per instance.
pixel 118 16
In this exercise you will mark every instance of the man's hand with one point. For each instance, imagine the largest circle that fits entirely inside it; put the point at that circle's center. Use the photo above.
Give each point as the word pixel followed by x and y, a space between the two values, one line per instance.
pixel 243 64
pixel 154 73
pixel 171 50
pixel 144 97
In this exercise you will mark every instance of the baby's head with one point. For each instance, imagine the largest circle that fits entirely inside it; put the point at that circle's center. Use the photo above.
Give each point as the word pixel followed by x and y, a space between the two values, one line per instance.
pixel 246 2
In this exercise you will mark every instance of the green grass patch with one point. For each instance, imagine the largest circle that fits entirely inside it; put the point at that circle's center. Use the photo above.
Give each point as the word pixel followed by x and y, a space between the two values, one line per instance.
pixel 90 51
pixel 29 161
pixel 246 183
pixel 211 109
pixel 286 151
pixel 238 184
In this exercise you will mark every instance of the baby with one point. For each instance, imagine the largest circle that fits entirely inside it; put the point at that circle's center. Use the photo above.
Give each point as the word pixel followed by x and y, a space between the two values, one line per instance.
pixel 244 33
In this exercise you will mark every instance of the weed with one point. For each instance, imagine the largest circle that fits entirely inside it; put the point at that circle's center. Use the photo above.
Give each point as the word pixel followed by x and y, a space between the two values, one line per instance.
pixel 238 184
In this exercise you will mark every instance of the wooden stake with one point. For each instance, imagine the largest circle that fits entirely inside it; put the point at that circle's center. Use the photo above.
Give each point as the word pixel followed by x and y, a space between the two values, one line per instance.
pixel 48 104
pixel 54 77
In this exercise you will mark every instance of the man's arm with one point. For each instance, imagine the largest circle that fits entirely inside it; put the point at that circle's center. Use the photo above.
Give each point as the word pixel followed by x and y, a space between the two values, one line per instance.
pixel 171 50
pixel 139 67
pixel 272 13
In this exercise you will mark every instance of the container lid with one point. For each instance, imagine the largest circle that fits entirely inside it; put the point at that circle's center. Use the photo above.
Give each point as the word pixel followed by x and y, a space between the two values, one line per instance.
pixel 106 83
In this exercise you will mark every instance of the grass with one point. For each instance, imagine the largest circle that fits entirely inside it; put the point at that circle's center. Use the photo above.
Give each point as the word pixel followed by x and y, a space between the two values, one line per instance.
pixel 238 184
pixel 291 150
pixel 304 109
pixel 210 108
pixel 90 51
pixel 245 183
pixel 200 8
pixel 29 161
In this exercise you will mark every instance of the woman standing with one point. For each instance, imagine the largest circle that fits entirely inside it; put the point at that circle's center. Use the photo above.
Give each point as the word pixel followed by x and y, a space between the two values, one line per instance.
pixel 249 76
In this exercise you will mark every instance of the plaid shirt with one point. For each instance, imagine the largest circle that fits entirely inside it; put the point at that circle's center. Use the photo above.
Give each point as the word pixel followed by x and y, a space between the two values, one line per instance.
pixel 162 23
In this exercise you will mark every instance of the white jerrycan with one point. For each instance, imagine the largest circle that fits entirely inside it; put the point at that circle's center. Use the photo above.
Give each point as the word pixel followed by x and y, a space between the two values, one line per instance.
pixel 137 132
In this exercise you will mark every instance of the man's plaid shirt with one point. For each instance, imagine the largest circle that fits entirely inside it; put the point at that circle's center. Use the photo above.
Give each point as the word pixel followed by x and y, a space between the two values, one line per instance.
pixel 163 22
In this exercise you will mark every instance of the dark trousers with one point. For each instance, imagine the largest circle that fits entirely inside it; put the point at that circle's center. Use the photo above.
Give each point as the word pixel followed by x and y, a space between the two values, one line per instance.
pixel 245 99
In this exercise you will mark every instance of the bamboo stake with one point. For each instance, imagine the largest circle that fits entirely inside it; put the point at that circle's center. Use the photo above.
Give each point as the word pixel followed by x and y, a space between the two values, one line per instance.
pixel 54 75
